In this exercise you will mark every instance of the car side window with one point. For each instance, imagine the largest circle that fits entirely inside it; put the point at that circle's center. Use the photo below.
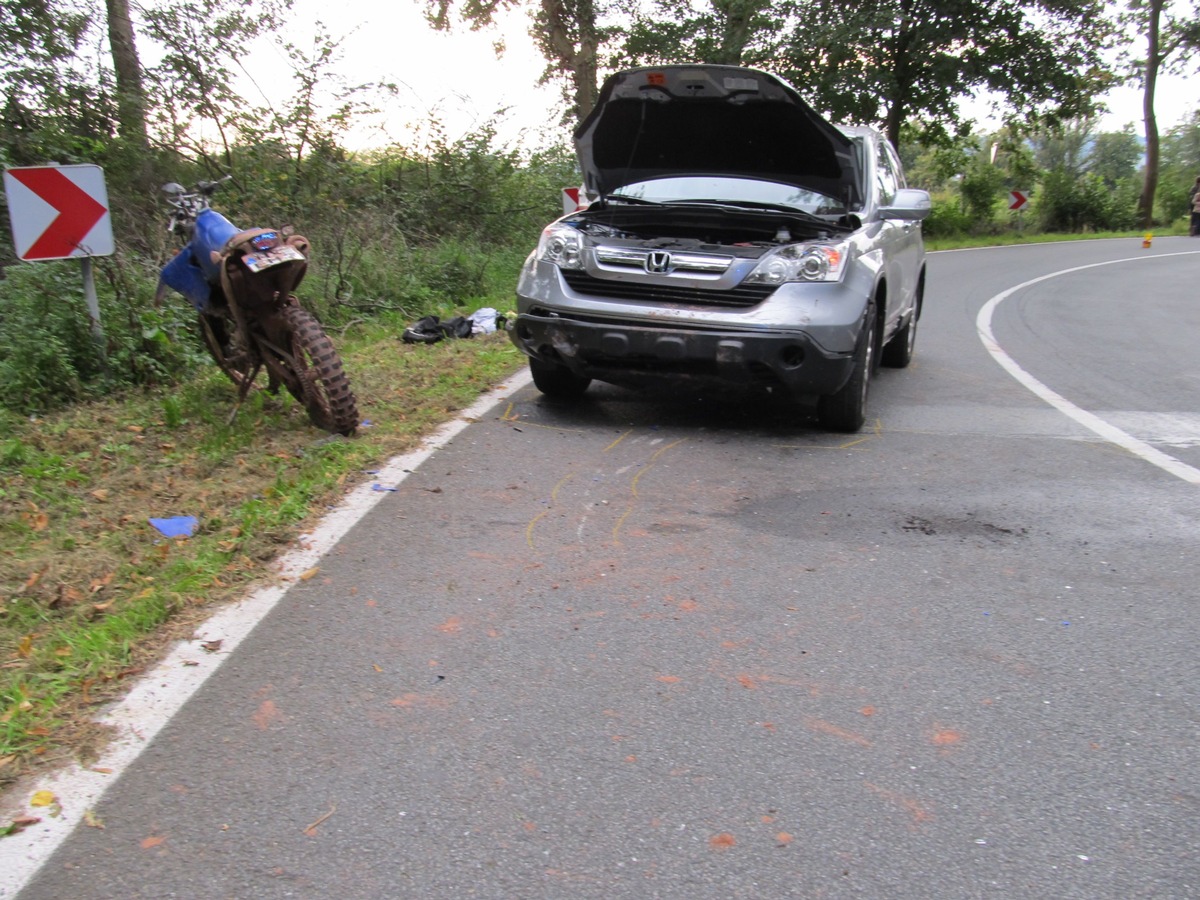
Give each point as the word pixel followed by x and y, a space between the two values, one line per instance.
pixel 885 174
pixel 897 169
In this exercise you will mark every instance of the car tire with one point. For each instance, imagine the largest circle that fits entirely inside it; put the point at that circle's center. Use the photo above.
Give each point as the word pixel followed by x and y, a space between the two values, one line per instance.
pixel 900 349
pixel 557 381
pixel 846 410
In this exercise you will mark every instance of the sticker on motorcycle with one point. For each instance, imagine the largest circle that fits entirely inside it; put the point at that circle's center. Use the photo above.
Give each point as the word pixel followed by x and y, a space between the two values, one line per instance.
pixel 256 262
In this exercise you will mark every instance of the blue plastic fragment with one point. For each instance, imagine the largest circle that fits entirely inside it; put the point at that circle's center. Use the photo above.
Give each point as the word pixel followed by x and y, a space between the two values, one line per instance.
pixel 176 526
pixel 381 487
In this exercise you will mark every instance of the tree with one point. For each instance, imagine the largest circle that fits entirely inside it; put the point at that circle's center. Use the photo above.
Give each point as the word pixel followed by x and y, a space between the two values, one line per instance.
pixel 1167 35
pixel 1066 147
pixel 203 41
pixel 1115 156
pixel 893 60
pixel 569 33
pixel 724 32
pixel 131 99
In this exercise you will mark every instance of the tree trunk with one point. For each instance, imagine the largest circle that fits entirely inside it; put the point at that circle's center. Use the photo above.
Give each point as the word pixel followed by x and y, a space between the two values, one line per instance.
pixel 569 42
pixel 131 98
pixel 1150 78
pixel 737 21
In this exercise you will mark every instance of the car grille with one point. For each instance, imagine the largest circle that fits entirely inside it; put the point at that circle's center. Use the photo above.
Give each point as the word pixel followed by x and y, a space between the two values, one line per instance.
pixel 665 292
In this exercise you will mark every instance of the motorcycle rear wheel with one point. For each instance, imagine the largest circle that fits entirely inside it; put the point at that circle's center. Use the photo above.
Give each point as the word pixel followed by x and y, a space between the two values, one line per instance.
pixel 315 375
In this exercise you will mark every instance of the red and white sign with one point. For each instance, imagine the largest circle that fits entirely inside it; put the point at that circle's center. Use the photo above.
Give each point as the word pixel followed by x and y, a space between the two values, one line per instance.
pixel 570 199
pixel 58 212
pixel 1017 199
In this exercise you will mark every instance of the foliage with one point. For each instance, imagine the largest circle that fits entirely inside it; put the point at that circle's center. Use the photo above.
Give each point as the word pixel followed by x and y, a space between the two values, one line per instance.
pixel 889 61
pixel 1065 203
pixel 48 353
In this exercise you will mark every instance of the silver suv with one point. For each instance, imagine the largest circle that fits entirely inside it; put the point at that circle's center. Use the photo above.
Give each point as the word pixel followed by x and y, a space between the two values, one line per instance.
pixel 732 234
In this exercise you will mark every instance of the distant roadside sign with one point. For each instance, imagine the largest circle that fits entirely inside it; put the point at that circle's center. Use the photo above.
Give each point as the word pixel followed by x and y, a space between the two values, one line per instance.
pixel 58 212
pixel 1017 199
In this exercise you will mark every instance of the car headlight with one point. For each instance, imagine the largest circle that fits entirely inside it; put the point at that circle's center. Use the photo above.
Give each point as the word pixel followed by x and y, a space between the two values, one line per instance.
pixel 562 246
pixel 800 262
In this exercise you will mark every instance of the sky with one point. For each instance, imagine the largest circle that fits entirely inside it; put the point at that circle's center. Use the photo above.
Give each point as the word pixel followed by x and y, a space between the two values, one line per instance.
pixel 458 78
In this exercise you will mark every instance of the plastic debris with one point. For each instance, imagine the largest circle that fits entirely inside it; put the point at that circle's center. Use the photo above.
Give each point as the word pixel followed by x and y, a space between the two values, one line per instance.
pixel 176 526
pixel 383 487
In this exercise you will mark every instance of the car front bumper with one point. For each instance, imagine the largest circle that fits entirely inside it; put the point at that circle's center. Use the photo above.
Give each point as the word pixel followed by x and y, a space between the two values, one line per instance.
pixel 625 351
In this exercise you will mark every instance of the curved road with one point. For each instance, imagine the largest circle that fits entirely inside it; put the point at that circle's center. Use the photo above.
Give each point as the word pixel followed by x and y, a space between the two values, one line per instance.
pixel 679 646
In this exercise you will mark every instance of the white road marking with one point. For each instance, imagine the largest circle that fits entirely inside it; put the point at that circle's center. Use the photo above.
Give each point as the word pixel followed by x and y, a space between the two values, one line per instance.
pixel 1106 430
pixel 149 706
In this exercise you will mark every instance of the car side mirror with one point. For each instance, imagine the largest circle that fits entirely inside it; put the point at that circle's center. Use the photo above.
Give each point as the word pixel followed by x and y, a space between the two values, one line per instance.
pixel 909 204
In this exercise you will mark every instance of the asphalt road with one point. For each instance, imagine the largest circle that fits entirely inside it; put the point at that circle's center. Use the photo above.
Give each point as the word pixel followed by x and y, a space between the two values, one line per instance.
pixel 682 646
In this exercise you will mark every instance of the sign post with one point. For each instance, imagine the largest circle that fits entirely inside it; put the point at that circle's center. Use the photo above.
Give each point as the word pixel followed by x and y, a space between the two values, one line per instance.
pixel 61 212
pixel 1017 201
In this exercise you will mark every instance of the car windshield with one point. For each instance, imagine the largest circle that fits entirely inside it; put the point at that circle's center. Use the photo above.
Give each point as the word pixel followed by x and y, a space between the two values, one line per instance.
pixel 732 191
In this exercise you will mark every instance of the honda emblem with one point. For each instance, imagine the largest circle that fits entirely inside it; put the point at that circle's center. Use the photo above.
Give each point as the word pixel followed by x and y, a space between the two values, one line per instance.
pixel 658 262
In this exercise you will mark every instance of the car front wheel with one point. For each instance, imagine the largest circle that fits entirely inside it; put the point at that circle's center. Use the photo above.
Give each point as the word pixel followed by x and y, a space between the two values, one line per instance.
pixel 557 381
pixel 846 410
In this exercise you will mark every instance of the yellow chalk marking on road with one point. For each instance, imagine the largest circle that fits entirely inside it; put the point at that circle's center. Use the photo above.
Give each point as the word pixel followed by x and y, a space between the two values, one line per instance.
pixel 618 440
pixel 621 521
pixel 553 499
pixel 657 454
pixel 633 487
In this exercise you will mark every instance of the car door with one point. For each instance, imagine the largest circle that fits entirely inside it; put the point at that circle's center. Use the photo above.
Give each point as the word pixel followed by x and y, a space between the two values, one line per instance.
pixel 902 239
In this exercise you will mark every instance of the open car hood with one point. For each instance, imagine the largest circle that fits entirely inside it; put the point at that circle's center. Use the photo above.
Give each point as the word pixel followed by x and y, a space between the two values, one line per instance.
pixel 663 121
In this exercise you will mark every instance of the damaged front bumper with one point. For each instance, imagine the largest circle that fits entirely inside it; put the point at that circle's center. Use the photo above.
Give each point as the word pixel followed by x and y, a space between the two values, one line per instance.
pixel 623 351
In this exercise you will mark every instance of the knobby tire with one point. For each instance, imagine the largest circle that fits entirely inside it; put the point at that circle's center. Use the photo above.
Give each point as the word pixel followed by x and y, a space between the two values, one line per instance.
pixel 318 380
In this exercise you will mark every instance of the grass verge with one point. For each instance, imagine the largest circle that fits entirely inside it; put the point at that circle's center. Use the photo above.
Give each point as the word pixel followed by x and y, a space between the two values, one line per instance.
pixel 91 593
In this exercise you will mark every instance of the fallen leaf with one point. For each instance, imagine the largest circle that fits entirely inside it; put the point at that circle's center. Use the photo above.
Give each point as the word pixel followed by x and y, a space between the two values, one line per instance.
pixel 212 646
pixel 151 842
pixel 91 820
pixel 101 494
pixel 25 646
pixel 17 825
pixel 311 573
pixel 99 584
pixel 783 838
pixel 42 798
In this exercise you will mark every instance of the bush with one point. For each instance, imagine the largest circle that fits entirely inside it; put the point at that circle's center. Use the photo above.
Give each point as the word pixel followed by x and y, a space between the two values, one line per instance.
pixel 1066 203
pixel 947 218
pixel 48 355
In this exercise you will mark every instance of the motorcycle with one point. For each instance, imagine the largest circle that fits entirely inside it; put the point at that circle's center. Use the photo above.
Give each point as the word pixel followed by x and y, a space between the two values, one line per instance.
pixel 242 285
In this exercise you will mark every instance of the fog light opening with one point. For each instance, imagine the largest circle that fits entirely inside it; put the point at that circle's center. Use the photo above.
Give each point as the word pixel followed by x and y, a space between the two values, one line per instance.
pixel 792 356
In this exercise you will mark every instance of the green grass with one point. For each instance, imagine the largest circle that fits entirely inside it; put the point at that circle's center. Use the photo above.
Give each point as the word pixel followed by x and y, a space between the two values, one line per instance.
pixel 1012 238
